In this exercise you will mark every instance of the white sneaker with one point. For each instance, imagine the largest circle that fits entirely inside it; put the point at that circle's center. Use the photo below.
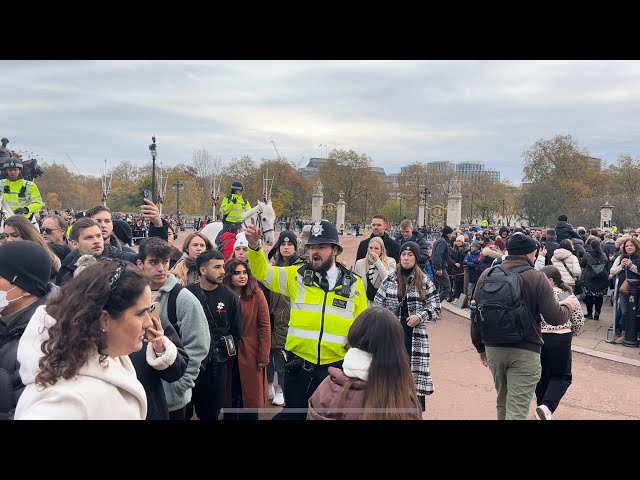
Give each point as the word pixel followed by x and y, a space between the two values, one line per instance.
pixel 272 392
pixel 543 413
pixel 278 398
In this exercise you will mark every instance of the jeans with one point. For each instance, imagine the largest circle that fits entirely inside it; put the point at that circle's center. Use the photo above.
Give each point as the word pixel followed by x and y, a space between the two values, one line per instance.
pixel 208 393
pixel 444 284
pixel 556 377
pixel 276 364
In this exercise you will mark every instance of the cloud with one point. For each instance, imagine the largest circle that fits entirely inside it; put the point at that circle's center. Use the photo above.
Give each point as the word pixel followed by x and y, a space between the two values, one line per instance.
pixel 397 112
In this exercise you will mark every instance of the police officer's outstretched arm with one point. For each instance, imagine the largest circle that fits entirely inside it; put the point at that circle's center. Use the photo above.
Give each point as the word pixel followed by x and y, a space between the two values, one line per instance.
pixel 274 278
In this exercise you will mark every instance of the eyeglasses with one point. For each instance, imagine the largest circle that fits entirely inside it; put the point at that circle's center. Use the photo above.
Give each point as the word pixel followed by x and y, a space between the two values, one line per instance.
pixel 113 281
pixel 49 231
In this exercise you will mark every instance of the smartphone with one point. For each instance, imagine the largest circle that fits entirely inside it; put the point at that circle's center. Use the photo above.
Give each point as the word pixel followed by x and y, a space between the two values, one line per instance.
pixel 146 194
pixel 154 311
pixel 564 296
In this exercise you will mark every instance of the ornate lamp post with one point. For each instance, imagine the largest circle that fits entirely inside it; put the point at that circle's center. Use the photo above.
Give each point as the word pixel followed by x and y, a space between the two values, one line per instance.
pixel 154 154
pixel 425 195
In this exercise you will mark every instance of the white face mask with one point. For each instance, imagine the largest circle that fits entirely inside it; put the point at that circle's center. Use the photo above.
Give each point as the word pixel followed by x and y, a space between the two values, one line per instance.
pixel 3 299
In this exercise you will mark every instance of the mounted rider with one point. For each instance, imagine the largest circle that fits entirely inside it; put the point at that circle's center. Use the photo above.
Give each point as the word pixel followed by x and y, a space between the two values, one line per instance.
pixel 233 208
pixel 21 195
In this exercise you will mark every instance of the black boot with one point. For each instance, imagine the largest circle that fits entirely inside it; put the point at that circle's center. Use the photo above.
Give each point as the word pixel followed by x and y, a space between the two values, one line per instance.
pixel 596 316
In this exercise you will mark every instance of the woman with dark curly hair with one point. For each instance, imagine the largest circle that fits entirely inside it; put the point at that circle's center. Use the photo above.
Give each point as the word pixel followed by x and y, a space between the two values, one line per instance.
pixel 74 354
pixel 247 371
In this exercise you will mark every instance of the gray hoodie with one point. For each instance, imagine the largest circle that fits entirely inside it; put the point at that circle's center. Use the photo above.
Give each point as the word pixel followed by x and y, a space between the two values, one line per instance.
pixel 196 340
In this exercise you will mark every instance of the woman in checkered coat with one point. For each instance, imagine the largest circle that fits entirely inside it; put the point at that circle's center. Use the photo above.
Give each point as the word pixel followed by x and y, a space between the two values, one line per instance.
pixel 413 298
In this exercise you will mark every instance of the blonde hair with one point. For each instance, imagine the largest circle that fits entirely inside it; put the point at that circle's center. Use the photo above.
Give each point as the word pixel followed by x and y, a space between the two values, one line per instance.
pixel 383 253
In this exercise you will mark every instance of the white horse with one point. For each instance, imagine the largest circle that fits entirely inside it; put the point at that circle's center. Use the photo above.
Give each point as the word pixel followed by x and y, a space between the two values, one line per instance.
pixel 263 215
pixel 5 212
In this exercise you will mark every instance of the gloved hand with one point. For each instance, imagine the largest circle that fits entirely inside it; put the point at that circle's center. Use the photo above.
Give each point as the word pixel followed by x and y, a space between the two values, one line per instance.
pixel 21 210
pixel 234 200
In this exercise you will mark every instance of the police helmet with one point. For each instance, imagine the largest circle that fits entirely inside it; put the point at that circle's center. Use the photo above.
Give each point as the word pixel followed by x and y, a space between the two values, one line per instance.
pixel 12 162
pixel 237 186
pixel 324 232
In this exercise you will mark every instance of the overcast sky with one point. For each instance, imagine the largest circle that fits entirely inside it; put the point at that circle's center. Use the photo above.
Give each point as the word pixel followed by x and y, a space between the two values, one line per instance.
pixel 396 112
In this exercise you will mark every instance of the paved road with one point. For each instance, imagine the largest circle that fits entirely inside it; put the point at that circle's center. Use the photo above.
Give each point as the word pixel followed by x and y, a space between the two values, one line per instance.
pixel 601 389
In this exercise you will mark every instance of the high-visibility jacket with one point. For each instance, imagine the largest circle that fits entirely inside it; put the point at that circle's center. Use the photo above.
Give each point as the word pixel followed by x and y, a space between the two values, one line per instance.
pixel 319 320
pixel 232 212
pixel 21 193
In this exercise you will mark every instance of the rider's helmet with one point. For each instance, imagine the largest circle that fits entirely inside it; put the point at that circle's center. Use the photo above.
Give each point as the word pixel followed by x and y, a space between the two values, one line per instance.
pixel 237 186
pixel 12 162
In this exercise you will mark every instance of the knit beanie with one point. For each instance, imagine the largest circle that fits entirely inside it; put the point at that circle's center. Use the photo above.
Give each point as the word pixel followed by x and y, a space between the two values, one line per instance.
pixel 446 230
pixel 412 246
pixel 562 218
pixel 285 236
pixel 520 244
pixel 26 265
pixel 241 241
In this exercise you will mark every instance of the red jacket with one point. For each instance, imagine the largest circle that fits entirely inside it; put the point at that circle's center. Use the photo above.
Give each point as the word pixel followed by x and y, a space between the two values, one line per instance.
pixel 227 249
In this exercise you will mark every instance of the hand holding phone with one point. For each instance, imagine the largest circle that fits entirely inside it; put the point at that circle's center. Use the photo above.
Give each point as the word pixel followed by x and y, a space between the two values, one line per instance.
pixel 146 194
pixel 564 296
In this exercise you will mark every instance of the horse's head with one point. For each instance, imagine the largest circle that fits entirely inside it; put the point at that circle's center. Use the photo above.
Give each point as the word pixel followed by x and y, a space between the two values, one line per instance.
pixel 268 217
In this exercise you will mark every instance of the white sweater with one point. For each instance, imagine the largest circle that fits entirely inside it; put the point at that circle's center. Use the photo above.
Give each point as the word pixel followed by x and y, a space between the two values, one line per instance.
pixel 96 393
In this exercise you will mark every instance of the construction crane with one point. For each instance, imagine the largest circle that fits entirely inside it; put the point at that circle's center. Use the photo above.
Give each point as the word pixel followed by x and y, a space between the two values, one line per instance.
pixel 274 146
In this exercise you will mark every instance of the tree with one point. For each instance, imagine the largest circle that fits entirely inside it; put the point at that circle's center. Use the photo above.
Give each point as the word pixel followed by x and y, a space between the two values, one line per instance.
pixel 350 173
pixel 559 162
pixel 52 201
pixel 538 204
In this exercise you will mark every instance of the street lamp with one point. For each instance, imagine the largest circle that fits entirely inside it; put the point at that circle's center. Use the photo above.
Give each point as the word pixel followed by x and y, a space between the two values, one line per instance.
pixel 177 187
pixel 425 194
pixel 154 154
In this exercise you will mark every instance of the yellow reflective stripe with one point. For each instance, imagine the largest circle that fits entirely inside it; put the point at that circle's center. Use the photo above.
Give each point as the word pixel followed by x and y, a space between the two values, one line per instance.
pixel 315 336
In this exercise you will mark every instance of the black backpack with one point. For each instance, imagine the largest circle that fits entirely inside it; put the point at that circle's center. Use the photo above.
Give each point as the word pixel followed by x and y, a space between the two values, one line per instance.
pixel 171 307
pixel 502 313
pixel 595 275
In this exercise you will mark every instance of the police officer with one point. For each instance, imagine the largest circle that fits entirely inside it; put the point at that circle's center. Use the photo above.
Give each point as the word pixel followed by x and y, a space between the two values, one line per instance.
pixel 21 195
pixel 326 298
pixel 232 208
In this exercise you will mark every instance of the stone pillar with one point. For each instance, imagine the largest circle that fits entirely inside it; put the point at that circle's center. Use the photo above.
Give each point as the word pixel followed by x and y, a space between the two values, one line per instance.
pixel 421 215
pixel 605 215
pixel 340 212
pixel 317 200
pixel 454 209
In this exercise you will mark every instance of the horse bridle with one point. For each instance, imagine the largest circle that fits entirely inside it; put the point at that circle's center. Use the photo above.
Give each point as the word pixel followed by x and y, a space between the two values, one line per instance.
pixel 259 213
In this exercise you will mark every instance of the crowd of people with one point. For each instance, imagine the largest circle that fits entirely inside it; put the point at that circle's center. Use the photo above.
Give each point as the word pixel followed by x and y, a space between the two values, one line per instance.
pixel 93 329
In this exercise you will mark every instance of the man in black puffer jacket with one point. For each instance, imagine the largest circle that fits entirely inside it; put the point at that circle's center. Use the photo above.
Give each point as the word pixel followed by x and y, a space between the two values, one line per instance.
pixel 24 274
pixel 564 230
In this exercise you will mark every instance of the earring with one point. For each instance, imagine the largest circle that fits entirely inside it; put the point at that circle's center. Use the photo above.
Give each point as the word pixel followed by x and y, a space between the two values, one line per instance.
pixel 104 331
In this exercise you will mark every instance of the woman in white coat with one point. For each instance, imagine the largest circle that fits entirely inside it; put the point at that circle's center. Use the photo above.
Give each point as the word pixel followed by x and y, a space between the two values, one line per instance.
pixel 568 264
pixel 374 268
pixel 86 333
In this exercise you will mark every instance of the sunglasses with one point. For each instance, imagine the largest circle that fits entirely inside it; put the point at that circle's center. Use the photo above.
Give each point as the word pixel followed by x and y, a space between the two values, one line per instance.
pixel 49 231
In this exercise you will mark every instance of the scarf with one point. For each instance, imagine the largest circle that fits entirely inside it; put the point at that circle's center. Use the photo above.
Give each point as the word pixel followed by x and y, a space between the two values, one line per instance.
pixel 356 363
pixel 189 262
pixel 371 289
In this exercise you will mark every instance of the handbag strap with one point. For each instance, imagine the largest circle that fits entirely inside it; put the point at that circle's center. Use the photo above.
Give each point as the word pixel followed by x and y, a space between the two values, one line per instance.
pixel 568 271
